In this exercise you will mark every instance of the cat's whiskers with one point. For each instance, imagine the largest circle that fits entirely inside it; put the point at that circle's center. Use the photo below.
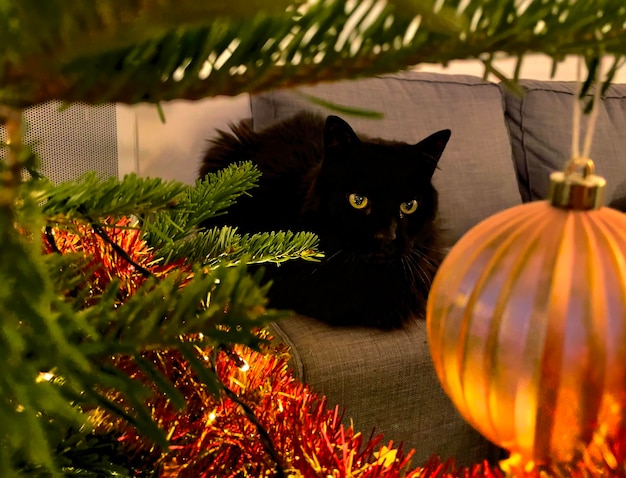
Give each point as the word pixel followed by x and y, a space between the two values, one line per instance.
pixel 407 270
pixel 421 248
pixel 413 260
pixel 328 260
pixel 425 257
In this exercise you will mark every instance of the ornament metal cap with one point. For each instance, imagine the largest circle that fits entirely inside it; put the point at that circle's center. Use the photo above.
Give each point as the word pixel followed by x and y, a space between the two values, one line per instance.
pixel 576 187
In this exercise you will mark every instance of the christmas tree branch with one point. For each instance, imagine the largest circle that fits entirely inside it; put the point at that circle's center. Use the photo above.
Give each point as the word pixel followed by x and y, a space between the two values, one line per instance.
pixel 133 195
pixel 11 177
pixel 83 29
pixel 91 311
pixel 218 304
pixel 32 341
pixel 222 246
pixel 99 230
pixel 158 379
pixel 154 51
pixel 210 197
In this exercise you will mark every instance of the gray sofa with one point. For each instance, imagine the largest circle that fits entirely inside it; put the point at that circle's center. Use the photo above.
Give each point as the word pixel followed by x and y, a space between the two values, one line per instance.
pixel 502 149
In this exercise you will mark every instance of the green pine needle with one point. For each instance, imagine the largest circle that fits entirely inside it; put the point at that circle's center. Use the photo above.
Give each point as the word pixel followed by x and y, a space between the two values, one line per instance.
pixel 91 197
pixel 224 247
pixel 209 197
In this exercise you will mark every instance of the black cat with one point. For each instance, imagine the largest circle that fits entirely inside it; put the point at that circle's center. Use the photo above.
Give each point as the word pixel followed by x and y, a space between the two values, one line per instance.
pixel 370 201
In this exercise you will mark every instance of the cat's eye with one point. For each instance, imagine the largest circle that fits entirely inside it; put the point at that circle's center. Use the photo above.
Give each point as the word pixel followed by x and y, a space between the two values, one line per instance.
pixel 409 207
pixel 357 201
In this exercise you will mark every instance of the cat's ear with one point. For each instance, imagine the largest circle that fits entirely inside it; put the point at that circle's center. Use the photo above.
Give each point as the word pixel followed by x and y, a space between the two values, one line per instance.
pixel 338 133
pixel 432 147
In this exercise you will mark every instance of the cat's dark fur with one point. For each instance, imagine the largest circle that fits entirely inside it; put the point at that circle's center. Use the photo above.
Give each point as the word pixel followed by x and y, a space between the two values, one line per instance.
pixel 379 262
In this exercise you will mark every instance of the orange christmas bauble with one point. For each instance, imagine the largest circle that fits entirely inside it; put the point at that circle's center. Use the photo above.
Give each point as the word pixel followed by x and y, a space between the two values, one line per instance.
pixel 527 328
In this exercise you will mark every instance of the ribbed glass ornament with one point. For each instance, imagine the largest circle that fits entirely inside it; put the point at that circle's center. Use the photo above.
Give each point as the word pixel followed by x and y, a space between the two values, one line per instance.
pixel 527 328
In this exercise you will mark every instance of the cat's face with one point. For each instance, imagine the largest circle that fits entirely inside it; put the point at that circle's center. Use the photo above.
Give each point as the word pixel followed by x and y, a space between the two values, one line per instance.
pixel 375 197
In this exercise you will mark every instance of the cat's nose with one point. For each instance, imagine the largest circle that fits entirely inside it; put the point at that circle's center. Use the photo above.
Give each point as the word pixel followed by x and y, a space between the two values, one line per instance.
pixel 388 233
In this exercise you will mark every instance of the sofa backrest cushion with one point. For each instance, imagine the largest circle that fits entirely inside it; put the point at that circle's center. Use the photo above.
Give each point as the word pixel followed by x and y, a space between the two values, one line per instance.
pixel 476 176
pixel 540 124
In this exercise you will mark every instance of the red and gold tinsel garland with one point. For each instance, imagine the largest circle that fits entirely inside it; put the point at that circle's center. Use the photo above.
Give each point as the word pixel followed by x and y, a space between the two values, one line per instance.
pixel 212 437
pixel 104 265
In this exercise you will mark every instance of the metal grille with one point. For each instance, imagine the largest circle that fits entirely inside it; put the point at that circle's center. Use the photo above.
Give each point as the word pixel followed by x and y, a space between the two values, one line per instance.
pixel 72 141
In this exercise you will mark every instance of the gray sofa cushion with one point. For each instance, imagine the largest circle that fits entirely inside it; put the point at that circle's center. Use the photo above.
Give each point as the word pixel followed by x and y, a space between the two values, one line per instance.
pixel 540 124
pixel 476 173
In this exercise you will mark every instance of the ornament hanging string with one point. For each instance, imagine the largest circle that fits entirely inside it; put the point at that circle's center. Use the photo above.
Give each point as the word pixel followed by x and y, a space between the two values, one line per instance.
pixel 593 115
pixel 577 186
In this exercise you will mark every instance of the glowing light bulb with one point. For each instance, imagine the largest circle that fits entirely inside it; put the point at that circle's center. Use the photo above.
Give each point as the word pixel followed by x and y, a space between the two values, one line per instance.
pixel 244 366
pixel 44 377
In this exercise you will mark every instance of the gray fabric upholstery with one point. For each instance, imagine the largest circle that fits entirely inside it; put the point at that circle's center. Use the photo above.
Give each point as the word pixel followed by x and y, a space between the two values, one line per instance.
pixel 476 175
pixel 385 382
pixel 540 125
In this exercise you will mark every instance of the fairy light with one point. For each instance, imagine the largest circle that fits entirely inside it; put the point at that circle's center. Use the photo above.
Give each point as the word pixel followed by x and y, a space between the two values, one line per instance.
pixel 244 367
pixel 237 359
pixel 44 377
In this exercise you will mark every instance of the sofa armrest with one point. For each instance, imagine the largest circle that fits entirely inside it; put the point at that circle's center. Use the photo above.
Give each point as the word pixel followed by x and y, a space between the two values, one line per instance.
pixel 386 383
